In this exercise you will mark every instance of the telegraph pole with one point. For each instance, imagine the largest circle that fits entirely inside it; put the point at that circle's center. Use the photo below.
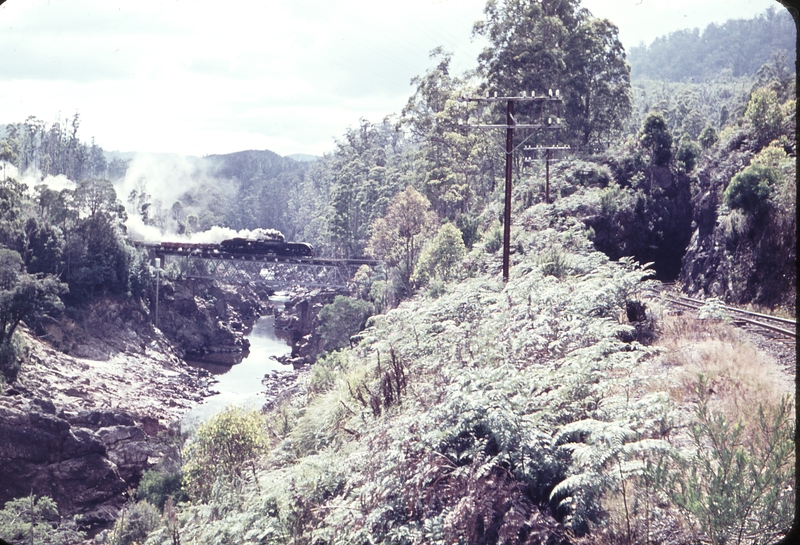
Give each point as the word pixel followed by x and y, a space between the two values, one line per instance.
pixel 547 157
pixel 510 125
pixel 507 207
pixel 158 281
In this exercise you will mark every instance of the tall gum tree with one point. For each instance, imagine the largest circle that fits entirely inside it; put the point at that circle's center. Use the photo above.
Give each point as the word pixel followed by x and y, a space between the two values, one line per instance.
pixel 449 163
pixel 537 45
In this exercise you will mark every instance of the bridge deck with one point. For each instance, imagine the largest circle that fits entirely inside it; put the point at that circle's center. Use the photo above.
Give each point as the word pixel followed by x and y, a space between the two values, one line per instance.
pixel 209 261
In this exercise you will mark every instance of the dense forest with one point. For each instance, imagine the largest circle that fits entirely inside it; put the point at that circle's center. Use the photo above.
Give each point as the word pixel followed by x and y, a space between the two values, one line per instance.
pixel 738 47
pixel 468 410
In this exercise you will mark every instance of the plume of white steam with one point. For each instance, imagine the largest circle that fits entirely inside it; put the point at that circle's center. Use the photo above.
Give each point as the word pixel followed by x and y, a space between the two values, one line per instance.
pixel 165 177
pixel 33 177
pixel 138 231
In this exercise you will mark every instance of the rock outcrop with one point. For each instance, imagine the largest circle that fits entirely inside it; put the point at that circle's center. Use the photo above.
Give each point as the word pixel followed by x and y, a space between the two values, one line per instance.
pixel 201 317
pixel 83 427
pixel 651 220
pixel 99 392
pixel 732 256
pixel 298 321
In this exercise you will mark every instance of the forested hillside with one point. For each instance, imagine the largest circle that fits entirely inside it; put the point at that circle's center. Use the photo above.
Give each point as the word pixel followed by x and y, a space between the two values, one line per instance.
pixel 738 47
pixel 567 405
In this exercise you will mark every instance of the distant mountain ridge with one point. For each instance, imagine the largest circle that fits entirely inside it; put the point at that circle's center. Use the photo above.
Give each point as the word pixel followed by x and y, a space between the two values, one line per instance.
pixel 128 155
pixel 248 166
pixel 737 45
pixel 303 157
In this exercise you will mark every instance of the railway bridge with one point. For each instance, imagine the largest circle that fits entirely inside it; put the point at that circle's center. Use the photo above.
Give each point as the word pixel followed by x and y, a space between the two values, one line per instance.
pixel 276 271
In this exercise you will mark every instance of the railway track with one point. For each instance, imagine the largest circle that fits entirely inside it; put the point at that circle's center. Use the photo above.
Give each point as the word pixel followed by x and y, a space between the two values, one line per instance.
pixel 772 326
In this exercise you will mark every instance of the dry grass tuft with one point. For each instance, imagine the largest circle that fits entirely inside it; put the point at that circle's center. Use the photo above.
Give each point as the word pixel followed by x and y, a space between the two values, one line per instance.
pixel 740 377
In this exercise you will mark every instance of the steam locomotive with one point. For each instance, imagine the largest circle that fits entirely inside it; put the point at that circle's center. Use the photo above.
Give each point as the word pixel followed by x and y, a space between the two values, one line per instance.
pixel 250 246
pixel 266 241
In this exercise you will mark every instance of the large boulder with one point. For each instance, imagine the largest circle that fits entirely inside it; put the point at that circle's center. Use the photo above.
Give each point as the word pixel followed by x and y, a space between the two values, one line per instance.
pixel 202 317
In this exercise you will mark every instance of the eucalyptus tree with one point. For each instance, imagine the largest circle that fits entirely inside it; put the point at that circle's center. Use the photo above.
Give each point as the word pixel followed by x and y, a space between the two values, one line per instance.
pixel 764 114
pixel 367 169
pixel 451 166
pixel 656 138
pixel 23 296
pixel 54 150
pixel 539 45
pixel 399 236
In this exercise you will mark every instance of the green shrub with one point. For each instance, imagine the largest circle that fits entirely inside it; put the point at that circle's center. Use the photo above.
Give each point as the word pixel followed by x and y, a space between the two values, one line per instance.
pixel 436 288
pixel 656 138
pixel 588 174
pixel 134 523
pixel 554 262
pixel 155 487
pixel 611 198
pixel 688 152
pixel 714 310
pixel 764 114
pixel 441 257
pixel 708 137
pixel 220 452
pixel 342 319
pixel 325 370
pixel 494 238
pixel 378 294
pixel 750 190
pixel 469 229
pixel 25 517
pixel 739 490
pixel 10 359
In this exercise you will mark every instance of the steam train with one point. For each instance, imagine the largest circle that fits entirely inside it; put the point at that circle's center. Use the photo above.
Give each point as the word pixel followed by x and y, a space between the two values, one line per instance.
pixel 264 241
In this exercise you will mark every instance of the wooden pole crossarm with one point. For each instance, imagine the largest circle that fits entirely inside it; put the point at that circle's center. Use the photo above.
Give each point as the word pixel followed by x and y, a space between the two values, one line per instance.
pixel 509 126
pixel 511 99
pixel 527 126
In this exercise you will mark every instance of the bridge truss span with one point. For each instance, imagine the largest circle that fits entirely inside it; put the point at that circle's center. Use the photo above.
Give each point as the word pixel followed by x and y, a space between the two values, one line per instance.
pixel 274 271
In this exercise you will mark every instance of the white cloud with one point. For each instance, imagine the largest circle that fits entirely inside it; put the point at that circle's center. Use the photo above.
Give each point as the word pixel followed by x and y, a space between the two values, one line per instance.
pixel 200 77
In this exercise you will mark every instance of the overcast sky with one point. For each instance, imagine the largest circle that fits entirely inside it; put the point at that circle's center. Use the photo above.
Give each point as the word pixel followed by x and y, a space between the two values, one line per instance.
pixel 189 77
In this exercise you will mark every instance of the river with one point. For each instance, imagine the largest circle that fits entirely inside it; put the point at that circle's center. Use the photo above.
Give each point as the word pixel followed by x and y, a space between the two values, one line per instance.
pixel 240 383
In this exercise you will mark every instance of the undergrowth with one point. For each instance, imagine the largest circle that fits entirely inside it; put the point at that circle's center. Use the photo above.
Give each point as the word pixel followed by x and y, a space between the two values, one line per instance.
pixel 517 413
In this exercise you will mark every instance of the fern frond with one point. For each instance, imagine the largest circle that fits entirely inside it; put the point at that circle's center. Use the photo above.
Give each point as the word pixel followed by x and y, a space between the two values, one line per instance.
pixel 573 483
pixel 647 446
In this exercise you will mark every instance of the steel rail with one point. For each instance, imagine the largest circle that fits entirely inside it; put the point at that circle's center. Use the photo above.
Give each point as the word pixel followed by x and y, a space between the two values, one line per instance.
pixel 748 312
pixel 752 322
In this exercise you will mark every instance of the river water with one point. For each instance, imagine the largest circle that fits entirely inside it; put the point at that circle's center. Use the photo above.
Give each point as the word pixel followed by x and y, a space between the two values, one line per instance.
pixel 240 383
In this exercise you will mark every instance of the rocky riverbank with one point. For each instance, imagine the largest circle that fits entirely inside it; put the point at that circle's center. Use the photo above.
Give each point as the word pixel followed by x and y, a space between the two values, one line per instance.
pixel 83 430
pixel 99 394
pixel 201 317
pixel 298 322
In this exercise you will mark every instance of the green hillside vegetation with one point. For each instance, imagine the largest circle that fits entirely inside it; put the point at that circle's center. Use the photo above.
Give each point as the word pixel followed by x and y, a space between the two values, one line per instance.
pixel 526 413
pixel 59 246
pixel 738 46
pixel 542 410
